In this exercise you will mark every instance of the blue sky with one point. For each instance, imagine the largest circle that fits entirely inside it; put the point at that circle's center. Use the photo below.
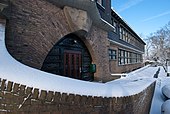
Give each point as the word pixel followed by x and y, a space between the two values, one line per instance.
pixel 143 16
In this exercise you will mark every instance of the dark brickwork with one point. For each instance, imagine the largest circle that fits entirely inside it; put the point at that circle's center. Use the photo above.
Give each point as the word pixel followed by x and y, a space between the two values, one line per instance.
pixel 20 99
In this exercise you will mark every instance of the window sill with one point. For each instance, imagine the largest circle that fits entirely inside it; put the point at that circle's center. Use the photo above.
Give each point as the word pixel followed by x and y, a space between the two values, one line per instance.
pixel 112 59
pixel 129 64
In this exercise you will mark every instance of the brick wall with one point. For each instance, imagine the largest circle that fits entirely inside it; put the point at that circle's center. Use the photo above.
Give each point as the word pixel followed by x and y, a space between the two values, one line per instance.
pixel 97 44
pixel 20 99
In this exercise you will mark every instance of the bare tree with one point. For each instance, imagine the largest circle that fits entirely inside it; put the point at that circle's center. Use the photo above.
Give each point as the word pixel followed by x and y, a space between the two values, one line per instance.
pixel 148 47
pixel 158 43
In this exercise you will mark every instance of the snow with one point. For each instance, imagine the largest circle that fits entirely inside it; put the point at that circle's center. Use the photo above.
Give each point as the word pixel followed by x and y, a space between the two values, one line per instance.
pixel 165 107
pixel 168 70
pixel 135 81
pixel 166 90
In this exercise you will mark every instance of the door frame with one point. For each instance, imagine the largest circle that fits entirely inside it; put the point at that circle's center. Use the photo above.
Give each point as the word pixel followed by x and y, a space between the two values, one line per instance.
pixel 72 63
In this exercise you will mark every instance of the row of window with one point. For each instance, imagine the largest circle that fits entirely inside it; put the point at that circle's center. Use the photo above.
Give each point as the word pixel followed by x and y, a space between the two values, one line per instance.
pixel 127 37
pixel 125 57
pixel 124 34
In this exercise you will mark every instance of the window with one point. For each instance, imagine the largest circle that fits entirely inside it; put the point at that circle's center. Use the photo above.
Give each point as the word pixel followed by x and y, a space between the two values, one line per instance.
pixel 126 57
pixel 121 57
pixel 129 59
pixel 126 36
pixel 114 23
pixel 101 2
pixel 112 54
pixel 121 32
pixel 139 58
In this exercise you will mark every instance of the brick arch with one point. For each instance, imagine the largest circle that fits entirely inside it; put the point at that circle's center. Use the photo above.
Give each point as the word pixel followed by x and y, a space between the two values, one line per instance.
pixel 90 49
pixel 83 35
pixel 69 57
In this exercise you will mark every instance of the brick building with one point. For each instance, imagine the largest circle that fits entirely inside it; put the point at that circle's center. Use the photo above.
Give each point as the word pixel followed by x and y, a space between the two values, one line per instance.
pixel 85 40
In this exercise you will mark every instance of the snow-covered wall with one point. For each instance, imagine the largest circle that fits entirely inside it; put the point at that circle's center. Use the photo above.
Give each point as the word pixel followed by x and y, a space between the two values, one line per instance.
pixel 20 99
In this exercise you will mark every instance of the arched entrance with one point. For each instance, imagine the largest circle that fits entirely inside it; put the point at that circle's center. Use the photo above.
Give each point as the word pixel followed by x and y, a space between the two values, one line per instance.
pixel 69 57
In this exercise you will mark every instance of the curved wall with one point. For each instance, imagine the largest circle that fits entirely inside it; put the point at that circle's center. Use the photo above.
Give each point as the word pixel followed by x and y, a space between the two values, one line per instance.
pixel 21 99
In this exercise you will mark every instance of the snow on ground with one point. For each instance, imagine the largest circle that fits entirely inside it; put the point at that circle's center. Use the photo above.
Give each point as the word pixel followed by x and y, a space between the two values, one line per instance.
pixel 168 70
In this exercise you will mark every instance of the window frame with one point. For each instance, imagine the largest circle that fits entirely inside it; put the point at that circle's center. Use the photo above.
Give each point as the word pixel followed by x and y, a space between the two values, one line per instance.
pixel 126 57
pixel 114 24
pixel 112 54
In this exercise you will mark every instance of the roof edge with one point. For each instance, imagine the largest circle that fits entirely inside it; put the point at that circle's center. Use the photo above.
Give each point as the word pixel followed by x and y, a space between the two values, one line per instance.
pixel 125 23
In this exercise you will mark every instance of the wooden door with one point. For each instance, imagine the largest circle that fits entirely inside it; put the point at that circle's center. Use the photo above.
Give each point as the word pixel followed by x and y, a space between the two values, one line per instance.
pixel 72 64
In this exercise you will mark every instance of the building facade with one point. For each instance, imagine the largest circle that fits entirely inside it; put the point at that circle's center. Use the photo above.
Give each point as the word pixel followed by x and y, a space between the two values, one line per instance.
pixel 82 40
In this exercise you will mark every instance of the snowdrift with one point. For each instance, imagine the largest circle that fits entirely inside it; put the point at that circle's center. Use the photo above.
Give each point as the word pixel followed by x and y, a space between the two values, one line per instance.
pixel 166 91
